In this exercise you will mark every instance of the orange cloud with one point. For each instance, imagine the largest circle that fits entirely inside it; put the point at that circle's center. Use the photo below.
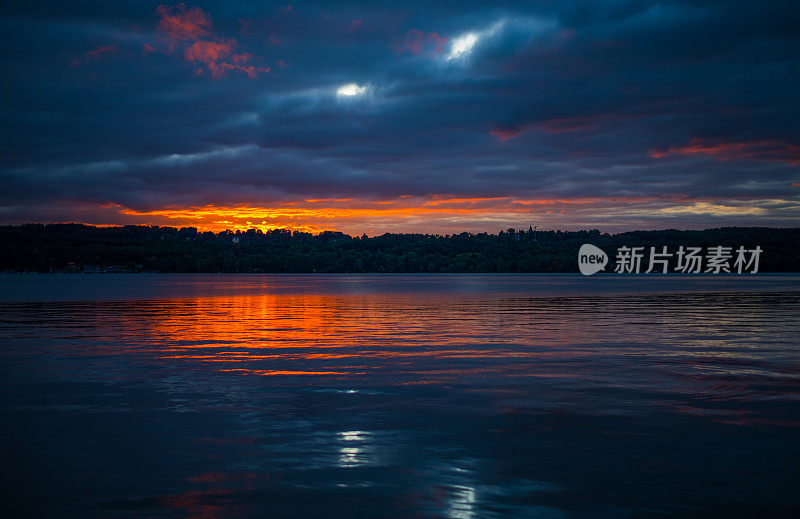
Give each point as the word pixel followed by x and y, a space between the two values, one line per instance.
pixel 565 124
pixel 179 23
pixel 504 134
pixel 96 54
pixel 208 52
pixel 417 42
pixel 189 30
pixel 218 58
pixel 768 150
pixel 100 51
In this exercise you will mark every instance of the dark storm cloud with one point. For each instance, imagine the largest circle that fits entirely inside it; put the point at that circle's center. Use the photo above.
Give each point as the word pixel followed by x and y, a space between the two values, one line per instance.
pixel 148 105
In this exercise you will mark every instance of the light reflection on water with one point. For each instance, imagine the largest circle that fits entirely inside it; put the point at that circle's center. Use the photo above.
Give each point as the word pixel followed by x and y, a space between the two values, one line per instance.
pixel 393 404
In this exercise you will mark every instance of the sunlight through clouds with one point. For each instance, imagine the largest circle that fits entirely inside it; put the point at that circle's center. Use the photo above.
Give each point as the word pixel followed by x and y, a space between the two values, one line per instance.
pixel 462 46
pixel 351 90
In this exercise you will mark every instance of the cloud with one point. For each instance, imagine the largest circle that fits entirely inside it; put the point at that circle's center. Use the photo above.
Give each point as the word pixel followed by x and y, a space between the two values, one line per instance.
pixel 507 37
pixel 218 57
pixel 351 89
pixel 418 43
pixel 100 51
pixel 188 29
pixel 636 107
pixel 713 209
pixel 462 46
pixel 95 54
pixel 179 23
pixel 766 150
pixel 505 133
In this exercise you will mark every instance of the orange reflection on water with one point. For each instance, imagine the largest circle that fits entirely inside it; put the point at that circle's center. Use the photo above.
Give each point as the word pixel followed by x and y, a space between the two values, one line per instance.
pixel 430 337
pixel 424 338
pixel 263 372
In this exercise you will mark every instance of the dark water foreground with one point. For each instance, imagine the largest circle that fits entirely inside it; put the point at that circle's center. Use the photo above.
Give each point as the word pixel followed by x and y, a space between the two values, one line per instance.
pixel 400 396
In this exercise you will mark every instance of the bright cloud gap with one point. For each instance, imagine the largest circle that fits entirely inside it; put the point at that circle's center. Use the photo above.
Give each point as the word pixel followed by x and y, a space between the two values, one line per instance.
pixel 462 45
pixel 351 90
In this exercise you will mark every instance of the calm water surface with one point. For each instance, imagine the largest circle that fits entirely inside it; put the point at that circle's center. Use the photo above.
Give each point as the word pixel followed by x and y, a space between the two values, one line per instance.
pixel 447 396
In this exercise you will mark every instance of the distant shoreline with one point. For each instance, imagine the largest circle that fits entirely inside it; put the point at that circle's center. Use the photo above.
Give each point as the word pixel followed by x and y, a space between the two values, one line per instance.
pixel 75 248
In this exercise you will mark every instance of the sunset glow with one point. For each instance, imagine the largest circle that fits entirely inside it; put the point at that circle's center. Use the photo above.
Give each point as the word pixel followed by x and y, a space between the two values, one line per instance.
pixel 443 214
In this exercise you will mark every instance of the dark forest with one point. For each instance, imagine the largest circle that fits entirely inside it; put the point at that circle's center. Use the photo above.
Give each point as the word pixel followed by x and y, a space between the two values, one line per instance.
pixel 82 248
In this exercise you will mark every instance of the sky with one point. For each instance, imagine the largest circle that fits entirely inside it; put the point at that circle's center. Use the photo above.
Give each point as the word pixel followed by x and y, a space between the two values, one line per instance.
pixel 374 117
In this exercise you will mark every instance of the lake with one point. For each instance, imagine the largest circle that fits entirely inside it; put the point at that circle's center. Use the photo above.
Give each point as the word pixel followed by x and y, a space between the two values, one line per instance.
pixel 453 396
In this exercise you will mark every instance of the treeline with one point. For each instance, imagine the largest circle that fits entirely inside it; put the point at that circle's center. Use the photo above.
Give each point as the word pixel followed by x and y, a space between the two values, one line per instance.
pixel 82 248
